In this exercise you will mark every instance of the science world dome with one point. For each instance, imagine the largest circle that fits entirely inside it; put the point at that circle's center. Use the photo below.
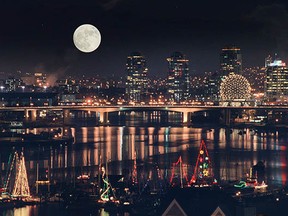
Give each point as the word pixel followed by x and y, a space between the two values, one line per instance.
pixel 235 87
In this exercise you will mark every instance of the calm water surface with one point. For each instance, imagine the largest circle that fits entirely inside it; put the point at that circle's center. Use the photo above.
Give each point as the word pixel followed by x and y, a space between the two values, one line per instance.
pixel 232 151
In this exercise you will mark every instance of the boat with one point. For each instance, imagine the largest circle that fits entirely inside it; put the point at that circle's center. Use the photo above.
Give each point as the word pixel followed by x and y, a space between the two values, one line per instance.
pixel 203 175
pixel 252 182
pixel 108 199
pixel 19 193
pixel 182 179
pixel 261 186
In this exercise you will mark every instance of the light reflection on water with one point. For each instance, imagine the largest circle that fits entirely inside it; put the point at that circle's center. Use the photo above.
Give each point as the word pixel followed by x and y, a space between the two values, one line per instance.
pixel 232 152
pixel 48 210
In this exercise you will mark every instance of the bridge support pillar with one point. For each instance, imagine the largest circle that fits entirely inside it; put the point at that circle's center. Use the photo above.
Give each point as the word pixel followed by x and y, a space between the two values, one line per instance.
pixel 30 115
pixel 33 115
pixel 103 117
pixel 186 119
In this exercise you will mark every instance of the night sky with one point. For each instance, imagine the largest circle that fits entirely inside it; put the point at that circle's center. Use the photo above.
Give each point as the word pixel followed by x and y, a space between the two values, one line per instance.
pixel 36 35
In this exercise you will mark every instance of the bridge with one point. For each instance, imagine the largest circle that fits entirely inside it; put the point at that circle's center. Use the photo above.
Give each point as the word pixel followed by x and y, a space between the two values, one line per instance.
pixel 30 113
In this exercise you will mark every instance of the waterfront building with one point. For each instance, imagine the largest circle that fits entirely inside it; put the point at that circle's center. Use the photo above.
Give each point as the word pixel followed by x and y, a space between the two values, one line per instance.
pixel 230 61
pixel 276 88
pixel 28 98
pixel 136 83
pixel 178 77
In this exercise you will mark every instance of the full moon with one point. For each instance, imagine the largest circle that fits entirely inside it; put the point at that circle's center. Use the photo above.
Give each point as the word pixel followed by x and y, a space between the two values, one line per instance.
pixel 87 38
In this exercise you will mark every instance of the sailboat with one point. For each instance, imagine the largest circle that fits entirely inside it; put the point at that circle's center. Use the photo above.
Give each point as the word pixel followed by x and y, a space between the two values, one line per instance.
pixel 106 192
pixel 183 174
pixel 203 173
pixel 21 188
pixel 108 199
pixel 18 193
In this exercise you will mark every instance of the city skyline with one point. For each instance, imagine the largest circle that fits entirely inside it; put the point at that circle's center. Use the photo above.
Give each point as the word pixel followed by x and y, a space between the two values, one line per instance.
pixel 37 36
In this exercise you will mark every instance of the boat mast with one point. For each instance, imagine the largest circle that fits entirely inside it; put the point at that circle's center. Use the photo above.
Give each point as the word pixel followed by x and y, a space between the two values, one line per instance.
pixel 11 162
pixel 181 174
pixel 21 187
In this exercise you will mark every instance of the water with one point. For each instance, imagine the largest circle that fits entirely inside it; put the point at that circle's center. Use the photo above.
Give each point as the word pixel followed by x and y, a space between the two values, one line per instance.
pixel 232 151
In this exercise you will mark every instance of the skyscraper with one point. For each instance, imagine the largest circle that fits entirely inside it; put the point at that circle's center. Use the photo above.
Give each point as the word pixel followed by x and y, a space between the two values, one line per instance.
pixel 212 87
pixel 276 80
pixel 136 83
pixel 178 77
pixel 230 61
pixel 40 79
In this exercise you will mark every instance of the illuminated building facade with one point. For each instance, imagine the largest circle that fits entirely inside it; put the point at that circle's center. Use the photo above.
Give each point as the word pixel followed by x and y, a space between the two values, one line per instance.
pixel 178 77
pixel 40 80
pixel 235 90
pixel 212 87
pixel 276 88
pixel 136 83
pixel 230 61
pixel 11 84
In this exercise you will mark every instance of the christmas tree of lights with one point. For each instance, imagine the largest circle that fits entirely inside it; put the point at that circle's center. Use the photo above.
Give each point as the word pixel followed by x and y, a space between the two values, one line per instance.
pixel 21 187
pixel 203 173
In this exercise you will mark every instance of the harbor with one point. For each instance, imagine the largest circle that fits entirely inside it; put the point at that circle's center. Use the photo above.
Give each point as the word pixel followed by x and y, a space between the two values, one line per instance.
pixel 85 174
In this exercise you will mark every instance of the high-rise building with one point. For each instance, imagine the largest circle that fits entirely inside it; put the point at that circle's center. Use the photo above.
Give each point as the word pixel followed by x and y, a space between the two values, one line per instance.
pixel 211 89
pixel 230 61
pixel 276 87
pixel 40 80
pixel 178 77
pixel 136 83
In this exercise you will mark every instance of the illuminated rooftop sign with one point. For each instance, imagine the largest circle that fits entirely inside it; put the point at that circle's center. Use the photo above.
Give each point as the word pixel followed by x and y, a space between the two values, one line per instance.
pixel 278 63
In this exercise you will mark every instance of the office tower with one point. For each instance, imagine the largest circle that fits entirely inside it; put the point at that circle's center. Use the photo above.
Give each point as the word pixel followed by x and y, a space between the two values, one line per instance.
pixel 136 83
pixel 212 87
pixel 40 80
pixel 230 61
pixel 178 77
pixel 276 88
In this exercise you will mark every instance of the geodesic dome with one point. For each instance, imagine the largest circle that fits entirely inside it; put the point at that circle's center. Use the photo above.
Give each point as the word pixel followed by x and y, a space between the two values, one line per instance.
pixel 235 87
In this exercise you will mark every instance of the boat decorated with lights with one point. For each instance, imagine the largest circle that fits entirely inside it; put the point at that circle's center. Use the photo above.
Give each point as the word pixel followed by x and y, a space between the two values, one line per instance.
pixel 107 199
pixel 16 188
pixel 252 181
pixel 203 173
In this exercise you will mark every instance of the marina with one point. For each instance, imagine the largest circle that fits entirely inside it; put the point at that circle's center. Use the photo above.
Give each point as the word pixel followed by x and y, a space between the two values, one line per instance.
pixel 98 182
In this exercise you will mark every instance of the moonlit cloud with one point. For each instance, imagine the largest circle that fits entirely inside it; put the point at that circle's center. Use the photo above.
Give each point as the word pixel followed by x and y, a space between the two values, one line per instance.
pixel 109 4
